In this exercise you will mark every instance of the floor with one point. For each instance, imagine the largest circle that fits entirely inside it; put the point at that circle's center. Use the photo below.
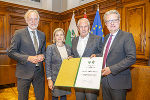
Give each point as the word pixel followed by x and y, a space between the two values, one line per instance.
pixel 9 92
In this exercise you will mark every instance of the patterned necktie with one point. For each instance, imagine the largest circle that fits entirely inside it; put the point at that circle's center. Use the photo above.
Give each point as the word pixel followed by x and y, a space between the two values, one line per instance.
pixel 35 41
pixel 106 50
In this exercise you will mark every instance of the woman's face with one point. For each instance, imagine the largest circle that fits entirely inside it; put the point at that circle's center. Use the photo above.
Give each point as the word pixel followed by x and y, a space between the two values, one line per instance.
pixel 59 37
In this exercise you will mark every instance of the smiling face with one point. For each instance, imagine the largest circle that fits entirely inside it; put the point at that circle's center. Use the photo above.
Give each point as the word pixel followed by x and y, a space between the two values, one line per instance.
pixel 83 28
pixel 112 22
pixel 59 37
pixel 32 20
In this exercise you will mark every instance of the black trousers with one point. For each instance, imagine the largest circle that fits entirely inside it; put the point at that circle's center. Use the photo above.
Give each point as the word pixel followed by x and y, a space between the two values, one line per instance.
pixel 112 94
pixel 38 82
pixel 61 98
pixel 89 94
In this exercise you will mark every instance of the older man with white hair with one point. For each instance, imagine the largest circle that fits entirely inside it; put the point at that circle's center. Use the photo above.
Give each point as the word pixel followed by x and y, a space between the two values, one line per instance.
pixel 84 46
pixel 28 48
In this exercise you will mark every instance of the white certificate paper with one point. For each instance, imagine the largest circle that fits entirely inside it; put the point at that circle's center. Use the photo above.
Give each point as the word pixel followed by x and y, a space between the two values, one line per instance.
pixel 89 73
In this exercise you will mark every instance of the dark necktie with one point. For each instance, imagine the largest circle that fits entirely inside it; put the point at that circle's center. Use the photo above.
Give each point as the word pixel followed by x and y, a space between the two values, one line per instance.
pixel 106 50
pixel 35 41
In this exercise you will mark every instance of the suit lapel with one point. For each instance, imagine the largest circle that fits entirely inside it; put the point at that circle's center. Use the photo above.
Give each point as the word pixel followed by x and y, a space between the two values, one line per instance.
pixel 68 50
pixel 29 39
pixel 114 42
pixel 88 44
pixel 105 41
pixel 57 52
pixel 39 38
pixel 75 45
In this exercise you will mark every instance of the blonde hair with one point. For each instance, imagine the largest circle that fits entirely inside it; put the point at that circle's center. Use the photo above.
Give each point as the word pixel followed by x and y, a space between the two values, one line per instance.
pixel 30 11
pixel 57 30
pixel 111 12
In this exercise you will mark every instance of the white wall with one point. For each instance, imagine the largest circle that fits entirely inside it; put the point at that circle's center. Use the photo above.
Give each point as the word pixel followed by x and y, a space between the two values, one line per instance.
pixel 47 4
pixel 56 5
pixel 75 3
pixel 44 4
pixel 52 5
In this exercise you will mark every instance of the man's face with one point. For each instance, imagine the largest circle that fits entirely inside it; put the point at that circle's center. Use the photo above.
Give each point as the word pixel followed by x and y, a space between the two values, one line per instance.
pixel 32 20
pixel 112 22
pixel 83 28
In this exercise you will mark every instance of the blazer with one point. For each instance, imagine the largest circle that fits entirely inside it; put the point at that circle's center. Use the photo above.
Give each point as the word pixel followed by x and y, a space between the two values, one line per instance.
pixel 53 63
pixel 21 48
pixel 121 56
pixel 94 46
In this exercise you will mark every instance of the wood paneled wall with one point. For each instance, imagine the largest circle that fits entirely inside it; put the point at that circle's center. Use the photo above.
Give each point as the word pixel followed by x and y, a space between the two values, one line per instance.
pixel 135 18
pixel 11 19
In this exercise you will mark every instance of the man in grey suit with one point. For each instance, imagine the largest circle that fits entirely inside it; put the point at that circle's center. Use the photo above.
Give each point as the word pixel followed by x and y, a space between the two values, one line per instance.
pixel 28 48
pixel 119 53
pixel 84 46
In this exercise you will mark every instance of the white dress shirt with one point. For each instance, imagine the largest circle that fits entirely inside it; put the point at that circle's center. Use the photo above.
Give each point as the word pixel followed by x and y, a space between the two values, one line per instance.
pixel 31 35
pixel 82 45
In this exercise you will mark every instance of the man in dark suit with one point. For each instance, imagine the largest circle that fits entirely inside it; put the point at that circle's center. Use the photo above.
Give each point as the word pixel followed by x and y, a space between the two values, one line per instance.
pixel 28 48
pixel 119 53
pixel 84 46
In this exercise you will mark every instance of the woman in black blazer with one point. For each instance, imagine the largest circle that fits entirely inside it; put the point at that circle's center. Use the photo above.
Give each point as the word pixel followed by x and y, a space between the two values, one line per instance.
pixel 55 54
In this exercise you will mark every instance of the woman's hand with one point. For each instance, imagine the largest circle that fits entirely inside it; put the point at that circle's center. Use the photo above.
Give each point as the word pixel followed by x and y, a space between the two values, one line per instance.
pixel 69 57
pixel 50 84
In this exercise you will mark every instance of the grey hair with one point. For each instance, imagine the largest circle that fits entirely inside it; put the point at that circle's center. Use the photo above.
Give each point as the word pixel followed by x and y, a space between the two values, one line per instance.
pixel 111 12
pixel 55 31
pixel 85 20
pixel 30 11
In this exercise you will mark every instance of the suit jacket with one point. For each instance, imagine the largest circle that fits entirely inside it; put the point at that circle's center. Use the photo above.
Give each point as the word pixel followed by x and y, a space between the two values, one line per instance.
pixel 21 48
pixel 53 60
pixel 94 46
pixel 53 63
pixel 121 56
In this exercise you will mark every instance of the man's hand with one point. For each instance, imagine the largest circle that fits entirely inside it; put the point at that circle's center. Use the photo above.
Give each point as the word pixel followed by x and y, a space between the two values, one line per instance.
pixel 40 57
pixel 93 55
pixel 33 59
pixel 50 84
pixel 106 71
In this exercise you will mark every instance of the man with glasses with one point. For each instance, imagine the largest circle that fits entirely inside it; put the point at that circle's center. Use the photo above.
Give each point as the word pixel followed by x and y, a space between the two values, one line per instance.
pixel 119 53
pixel 28 48
pixel 84 46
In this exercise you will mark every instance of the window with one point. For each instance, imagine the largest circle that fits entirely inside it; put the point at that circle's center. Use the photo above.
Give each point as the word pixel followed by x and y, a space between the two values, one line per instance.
pixel 36 0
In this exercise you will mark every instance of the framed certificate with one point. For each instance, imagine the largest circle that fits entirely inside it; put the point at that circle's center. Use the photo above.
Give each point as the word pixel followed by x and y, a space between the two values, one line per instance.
pixel 80 72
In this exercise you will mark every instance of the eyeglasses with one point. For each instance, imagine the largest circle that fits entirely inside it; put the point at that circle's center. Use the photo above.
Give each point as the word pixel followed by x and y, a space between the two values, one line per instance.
pixel 33 19
pixel 83 26
pixel 112 21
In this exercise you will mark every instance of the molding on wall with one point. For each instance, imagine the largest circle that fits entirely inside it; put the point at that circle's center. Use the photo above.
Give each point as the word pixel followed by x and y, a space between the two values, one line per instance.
pixel 19 9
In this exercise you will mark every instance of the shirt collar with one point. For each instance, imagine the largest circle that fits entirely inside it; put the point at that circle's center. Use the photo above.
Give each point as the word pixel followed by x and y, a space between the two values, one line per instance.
pixel 84 37
pixel 115 33
pixel 30 29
